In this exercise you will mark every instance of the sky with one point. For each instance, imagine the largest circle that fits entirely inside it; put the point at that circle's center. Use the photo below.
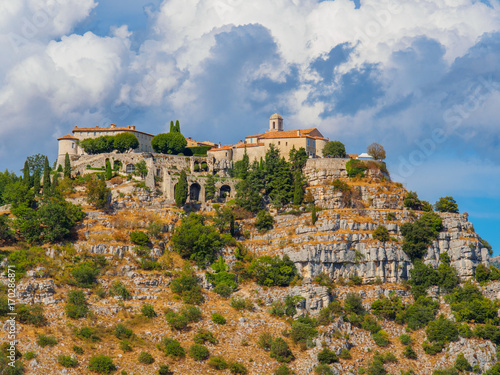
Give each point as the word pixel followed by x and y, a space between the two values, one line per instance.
pixel 420 77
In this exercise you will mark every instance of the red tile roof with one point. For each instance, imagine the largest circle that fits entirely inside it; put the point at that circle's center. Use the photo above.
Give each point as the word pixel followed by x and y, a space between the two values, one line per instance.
pixel 110 129
pixel 68 136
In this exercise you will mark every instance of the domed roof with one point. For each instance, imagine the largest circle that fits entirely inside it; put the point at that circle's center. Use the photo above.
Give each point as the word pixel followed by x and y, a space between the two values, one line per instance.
pixel 276 116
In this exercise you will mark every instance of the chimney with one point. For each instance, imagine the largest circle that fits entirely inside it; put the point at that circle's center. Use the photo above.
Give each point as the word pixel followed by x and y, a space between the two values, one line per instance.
pixel 219 145
pixel 132 127
pixel 112 126
pixel 298 133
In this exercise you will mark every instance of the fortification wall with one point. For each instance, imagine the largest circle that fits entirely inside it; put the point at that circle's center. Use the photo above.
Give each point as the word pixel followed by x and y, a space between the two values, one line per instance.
pixel 321 171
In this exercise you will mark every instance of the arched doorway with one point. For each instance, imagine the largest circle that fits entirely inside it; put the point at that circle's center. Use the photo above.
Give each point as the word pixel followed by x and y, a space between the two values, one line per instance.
pixel 225 191
pixel 194 192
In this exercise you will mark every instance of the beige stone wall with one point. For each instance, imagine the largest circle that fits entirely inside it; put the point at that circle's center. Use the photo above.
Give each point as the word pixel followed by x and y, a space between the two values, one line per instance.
pixel 144 139
pixel 254 153
pixel 221 154
pixel 320 144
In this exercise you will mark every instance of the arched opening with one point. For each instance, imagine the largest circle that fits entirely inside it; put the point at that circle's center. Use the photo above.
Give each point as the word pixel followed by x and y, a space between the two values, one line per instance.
pixel 117 164
pixel 130 168
pixel 196 167
pixel 204 166
pixel 225 191
pixel 194 192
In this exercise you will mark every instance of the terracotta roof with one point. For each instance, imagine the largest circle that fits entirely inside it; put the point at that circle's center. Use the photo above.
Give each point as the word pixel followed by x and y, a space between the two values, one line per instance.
pixel 253 136
pixel 222 148
pixel 250 145
pixel 110 129
pixel 353 156
pixel 302 133
pixel 68 136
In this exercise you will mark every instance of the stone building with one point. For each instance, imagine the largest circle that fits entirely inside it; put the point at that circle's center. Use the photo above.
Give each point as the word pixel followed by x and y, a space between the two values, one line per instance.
pixel 69 143
pixel 284 140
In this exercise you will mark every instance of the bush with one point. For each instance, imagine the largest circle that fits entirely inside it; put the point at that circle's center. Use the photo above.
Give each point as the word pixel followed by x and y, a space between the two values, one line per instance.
pixel 264 221
pixel 469 305
pixel 354 304
pixel 409 352
pixel 387 308
pixel 224 290
pixel 433 348
pixel 237 368
pixel 87 333
pixel 287 307
pixel 146 358
pixel 148 311
pixel 199 352
pixel 381 234
pixel 31 314
pixel 118 289
pixel 240 303
pixel 355 168
pixel 176 321
pixel 77 349
pixel 172 143
pixel 173 348
pixel 442 330
pixel 203 335
pixel 335 149
pixel 301 332
pixel 122 332
pixel 29 355
pixel 218 363
pixel 192 313
pixel 67 361
pixel 125 346
pixel 327 356
pixel 102 364
pixel 280 351
pixel 419 235
pixel 85 275
pixel 462 364
pixel 421 312
pixel 270 271
pixel 370 324
pixel 139 238
pixel 405 339
pixel 446 204
pixel 76 306
pixel 164 370
pixel 345 354
pixel 381 338
pixel 44 340
pixel 283 370
pixel 323 370
pixel 265 341
pixel 218 318
pixel 341 186
pixel 187 286
pixel 98 194
pixel 446 371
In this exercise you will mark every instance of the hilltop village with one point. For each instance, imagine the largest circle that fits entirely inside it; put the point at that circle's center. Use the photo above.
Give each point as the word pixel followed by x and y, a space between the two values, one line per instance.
pixel 280 254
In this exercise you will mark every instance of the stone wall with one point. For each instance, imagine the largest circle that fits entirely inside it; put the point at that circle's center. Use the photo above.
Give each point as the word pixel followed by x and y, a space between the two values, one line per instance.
pixel 323 171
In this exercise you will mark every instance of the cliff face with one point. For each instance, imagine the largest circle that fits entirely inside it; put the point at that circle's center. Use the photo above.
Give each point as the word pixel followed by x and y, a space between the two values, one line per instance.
pixel 341 243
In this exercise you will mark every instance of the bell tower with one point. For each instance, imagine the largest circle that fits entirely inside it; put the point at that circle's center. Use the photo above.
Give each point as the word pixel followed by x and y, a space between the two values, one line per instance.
pixel 276 123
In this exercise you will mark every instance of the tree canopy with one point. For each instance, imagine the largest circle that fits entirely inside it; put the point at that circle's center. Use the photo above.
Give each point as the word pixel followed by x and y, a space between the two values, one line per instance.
pixel 446 204
pixel 169 143
pixel 335 149
pixel 376 151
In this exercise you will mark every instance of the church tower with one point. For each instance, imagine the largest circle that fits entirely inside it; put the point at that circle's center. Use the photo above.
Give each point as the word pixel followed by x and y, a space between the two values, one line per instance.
pixel 275 123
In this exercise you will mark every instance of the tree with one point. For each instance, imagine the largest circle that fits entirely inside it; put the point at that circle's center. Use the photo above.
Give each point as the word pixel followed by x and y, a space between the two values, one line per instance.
pixel 169 143
pixel 177 127
pixel 6 178
pixel 141 169
pixel 241 166
pixel 298 158
pixel 125 141
pixel 98 194
pixel 376 151
pixel 172 127
pixel 67 166
pixel 109 172
pixel 181 190
pixel 26 174
pixel 335 149
pixel 46 176
pixel 5 232
pixel 446 204
pixel 210 188
pixel 36 182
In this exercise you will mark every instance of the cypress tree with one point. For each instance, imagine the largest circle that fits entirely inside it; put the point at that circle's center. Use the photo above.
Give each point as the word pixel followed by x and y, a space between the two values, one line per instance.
pixel 314 217
pixel 36 182
pixel 171 126
pixel 298 191
pixel 26 173
pixel 67 166
pixel 181 190
pixel 46 176
pixel 109 172
pixel 231 225
pixel 210 188
pixel 55 182
pixel 177 126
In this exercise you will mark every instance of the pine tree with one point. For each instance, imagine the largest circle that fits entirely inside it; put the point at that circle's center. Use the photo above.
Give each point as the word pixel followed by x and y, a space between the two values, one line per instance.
pixel 67 166
pixel 298 190
pixel 181 190
pixel 26 174
pixel 109 172
pixel 36 182
pixel 314 217
pixel 55 182
pixel 210 188
pixel 171 126
pixel 231 225
pixel 46 176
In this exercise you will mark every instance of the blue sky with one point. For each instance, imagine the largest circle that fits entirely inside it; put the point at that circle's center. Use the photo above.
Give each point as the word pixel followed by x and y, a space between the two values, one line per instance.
pixel 420 77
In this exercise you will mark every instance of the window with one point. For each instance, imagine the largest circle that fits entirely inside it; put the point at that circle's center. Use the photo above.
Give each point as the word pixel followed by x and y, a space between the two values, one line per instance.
pixel 308 142
pixel 278 143
pixel 314 143
pixel 95 133
pixel 274 125
pixel 286 143
pixel 73 145
pixel 130 168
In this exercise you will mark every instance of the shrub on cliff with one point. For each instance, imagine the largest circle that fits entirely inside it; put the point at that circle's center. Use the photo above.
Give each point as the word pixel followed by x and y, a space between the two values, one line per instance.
pixel 421 312
pixel 355 168
pixel 334 149
pixel 420 234
pixel 188 287
pixel 139 238
pixel 102 364
pixel 381 234
pixel 169 143
pixel 469 305
pixel 270 271
pixel 264 221
pixel 76 307
pixel 281 351
pixel 446 204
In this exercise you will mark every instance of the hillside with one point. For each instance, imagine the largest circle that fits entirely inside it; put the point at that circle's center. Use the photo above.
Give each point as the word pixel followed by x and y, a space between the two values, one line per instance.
pixel 342 268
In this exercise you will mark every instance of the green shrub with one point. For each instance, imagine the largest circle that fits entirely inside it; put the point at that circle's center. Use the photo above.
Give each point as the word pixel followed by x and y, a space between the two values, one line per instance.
pixel 442 330
pixel 87 333
pixel 280 351
pixel 203 335
pixel 446 204
pixel 237 368
pixel 199 352
pixel 420 234
pixel 176 321
pixel 146 358
pixel 125 346
pixel 270 271
pixel 468 304
pixel 462 364
pixel 173 348
pixel 339 185
pixel 67 361
pixel 31 314
pixel 264 221
pixel 102 364
pixel 409 352
pixel 405 339
pixel 323 369
pixel 387 308
pixel 345 354
pixel 421 312
pixel 122 332
pixel 327 356
pixel 240 303
pixel 44 340
pixel 432 348
pixel 390 216
pixel 164 370
pixel 381 338
pixel 218 318
pixel 148 311
pixel 224 290
pixel 301 332
pixel 283 370
pixel 76 306
pixel 192 313
pixel 139 238
pixel 85 275
pixel 29 355
pixel 355 168
pixel 354 304
pixel 77 349
pixel 381 234
pixel 265 341
pixel 118 289
pixel 218 363
pixel 446 371
pixel 370 324
pixel 187 286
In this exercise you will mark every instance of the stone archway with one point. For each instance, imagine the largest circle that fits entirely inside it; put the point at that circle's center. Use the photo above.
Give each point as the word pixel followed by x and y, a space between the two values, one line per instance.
pixel 194 192
pixel 225 191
